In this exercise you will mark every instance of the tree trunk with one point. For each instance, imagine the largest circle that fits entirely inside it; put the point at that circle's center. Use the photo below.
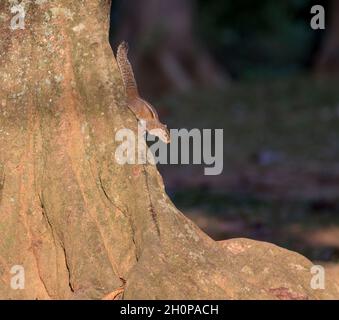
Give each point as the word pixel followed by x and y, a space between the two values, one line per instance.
pixel 81 225
pixel 328 60
pixel 166 53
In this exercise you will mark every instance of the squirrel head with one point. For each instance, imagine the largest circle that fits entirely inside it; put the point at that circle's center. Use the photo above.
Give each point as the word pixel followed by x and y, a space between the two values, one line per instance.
pixel 162 133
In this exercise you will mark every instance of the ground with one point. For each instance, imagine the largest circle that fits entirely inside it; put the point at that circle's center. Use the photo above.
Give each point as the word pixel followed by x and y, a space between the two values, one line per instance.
pixel 281 170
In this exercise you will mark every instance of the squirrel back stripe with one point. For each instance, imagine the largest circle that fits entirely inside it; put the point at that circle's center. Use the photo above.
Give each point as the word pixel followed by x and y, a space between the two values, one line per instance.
pixel 126 71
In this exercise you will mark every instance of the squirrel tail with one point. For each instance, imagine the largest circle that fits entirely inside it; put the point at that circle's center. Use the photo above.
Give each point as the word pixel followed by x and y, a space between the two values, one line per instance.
pixel 126 70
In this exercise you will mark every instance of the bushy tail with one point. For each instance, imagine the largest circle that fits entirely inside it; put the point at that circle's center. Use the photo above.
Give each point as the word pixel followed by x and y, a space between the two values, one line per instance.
pixel 126 71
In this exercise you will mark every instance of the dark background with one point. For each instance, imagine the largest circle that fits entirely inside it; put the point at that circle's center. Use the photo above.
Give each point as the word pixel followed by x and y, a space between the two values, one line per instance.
pixel 257 70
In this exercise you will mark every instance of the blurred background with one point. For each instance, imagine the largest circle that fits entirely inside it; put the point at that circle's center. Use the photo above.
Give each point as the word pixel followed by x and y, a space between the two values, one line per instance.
pixel 259 71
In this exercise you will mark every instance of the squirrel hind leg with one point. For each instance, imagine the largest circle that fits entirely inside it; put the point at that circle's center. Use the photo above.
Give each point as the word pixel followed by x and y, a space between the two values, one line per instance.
pixel 140 109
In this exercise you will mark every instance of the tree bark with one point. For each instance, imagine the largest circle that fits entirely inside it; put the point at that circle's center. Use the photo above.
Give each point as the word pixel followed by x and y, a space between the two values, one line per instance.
pixel 164 44
pixel 81 225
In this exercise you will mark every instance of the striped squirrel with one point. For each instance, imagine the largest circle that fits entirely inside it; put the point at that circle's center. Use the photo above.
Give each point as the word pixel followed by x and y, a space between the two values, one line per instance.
pixel 141 108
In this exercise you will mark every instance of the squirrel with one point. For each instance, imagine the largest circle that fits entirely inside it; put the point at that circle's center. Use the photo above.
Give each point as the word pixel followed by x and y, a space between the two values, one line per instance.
pixel 141 108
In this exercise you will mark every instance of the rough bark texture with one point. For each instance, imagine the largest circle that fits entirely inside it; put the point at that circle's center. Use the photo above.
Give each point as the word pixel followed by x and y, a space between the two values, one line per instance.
pixel 79 223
